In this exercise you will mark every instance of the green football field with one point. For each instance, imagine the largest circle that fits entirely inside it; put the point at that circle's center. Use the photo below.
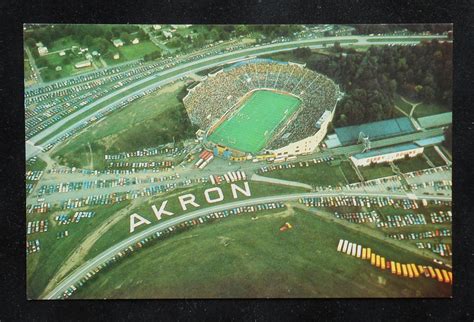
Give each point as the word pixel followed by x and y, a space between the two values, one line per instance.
pixel 251 127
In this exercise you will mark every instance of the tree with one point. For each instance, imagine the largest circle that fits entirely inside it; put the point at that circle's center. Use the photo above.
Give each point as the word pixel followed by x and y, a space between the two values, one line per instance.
pixel 31 43
pixel 303 52
pixel 88 41
pixel 125 37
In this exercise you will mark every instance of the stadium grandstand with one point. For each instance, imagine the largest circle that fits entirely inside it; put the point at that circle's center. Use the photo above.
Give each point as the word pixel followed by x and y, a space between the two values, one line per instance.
pixel 262 106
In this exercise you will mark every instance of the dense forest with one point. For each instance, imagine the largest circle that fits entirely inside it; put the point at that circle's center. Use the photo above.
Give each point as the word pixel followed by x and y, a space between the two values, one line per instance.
pixel 370 79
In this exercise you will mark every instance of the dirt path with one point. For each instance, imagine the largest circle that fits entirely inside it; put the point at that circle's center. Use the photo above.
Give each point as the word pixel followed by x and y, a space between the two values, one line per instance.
pixel 77 256
pixel 91 165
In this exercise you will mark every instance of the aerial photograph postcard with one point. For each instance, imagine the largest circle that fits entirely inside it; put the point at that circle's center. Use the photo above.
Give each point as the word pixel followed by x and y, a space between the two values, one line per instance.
pixel 192 161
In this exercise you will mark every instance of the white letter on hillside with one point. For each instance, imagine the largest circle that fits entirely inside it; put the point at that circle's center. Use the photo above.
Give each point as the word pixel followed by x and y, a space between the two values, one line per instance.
pixel 162 210
pixel 219 192
pixel 236 188
pixel 134 224
pixel 190 200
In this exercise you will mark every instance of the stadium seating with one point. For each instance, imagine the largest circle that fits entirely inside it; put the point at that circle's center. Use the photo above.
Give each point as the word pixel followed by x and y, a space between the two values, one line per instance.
pixel 219 94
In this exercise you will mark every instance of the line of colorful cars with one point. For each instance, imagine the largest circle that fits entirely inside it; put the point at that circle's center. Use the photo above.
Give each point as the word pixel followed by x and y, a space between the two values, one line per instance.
pixel 442 232
pixel 406 270
pixel 37 226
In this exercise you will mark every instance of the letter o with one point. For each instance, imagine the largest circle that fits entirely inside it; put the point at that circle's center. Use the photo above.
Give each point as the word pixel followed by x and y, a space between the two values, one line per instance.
pixel 219 192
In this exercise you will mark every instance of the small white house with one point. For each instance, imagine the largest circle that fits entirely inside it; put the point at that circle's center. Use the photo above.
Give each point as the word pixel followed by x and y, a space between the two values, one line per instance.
pixel 117 42
pixel 157 27
pixel 135 41
pixel 58 68
pixel 116 56
pixel 83 64
pixel 167 34
pixel 42 51
pixel 62 53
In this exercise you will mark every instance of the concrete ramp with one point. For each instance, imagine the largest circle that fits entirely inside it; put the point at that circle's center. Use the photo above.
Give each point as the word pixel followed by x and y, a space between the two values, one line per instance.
pixel 256 177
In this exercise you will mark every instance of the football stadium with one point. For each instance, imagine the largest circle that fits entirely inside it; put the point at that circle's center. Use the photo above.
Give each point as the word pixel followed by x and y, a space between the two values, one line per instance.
pixel 262 107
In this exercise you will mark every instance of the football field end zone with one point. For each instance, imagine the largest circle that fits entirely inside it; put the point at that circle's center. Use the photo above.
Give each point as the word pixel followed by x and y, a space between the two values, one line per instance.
pixel 250 128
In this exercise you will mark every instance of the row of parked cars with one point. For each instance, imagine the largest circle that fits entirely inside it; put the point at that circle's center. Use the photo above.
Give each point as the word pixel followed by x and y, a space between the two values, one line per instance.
pixel 160 150
pixel 37 226
pixel 443 232
pixel 441 217
pixel 356 201
pixel 405 220
pixel 427 171
pixel 436 185
pixel 62 234
pixel 32 246
pixel 359 217
pixel 300 164
pixel 33 175
pixel 141 165
pixel 442 249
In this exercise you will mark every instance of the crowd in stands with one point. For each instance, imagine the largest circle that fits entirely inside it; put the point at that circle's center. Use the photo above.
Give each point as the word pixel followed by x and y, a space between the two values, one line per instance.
pixel 221 93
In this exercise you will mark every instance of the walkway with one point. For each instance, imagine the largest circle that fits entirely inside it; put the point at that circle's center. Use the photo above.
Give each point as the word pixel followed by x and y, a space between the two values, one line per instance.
pixel 256 177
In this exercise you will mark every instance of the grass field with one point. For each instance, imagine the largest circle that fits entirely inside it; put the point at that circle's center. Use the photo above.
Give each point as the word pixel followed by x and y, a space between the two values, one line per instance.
pixel 406 107
pixel 239 257
pixel 321 174
pixel 376 171
pixel 431 153
pixel 251 127
pixel 147 122
pixel 412 164
pixel 425 109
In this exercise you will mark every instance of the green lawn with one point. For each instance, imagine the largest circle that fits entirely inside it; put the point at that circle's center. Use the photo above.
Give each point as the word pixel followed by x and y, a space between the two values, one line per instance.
pixel 349 172
pixel 431 153
pixel 321 174
pixel 412 164
pixel 389 40
pixel 260 261
pixel 64 43
pixel 42 266
pixel 150 121
pixel 376 171
pixel 38 165
pixel 249 129
pixel 133 52
pixel 429 109
pixel 406 107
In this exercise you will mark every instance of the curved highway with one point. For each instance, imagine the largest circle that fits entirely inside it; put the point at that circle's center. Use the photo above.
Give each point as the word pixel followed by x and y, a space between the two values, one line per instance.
pixel 77 274
pixel 179 71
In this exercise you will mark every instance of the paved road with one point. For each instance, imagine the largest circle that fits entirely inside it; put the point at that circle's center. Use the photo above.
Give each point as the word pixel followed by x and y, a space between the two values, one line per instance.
pixel 77 274
pixel 208 62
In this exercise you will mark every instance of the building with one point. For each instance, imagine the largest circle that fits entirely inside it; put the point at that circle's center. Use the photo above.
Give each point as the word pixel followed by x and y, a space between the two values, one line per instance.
pixel 62 53
pixel 386 154
pixel 167 34
pixel 375 131
pixel 116 56
pixel 88 56
pixel 437 120
pixel 58 68
pixel 156 27
pixel 42 50
pixel 117 42
pixel 135 41
pixel 83 64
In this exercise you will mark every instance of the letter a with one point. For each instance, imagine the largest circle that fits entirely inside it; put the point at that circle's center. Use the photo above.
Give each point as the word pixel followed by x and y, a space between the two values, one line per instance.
pixel 140 222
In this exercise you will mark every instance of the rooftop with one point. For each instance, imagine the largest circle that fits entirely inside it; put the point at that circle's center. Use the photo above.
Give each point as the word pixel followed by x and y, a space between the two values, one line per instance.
pixel 436 120
pixel 388 150
pixel 375 130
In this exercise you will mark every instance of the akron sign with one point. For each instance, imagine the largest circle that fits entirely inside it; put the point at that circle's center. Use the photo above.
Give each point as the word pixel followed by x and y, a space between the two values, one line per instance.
pixel 212 195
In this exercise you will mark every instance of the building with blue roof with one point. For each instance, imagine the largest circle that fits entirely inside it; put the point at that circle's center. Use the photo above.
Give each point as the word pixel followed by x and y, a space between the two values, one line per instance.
pixel 376 130
pixel 387 154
